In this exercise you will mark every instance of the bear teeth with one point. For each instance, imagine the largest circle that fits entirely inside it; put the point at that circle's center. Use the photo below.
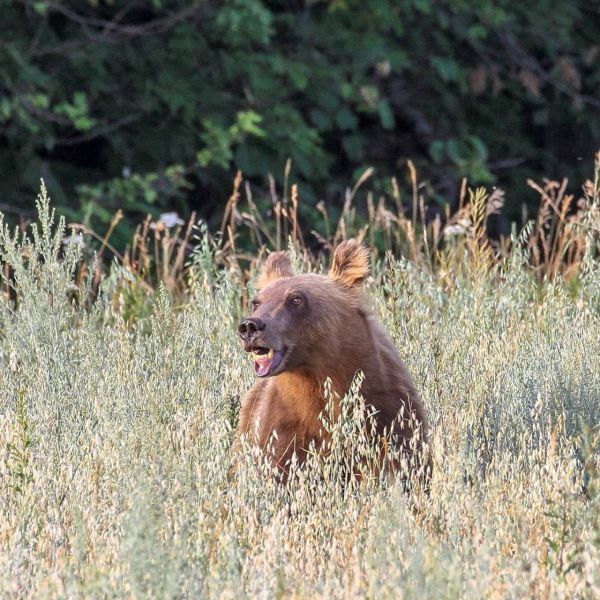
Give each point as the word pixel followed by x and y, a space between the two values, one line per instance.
pixel 265 355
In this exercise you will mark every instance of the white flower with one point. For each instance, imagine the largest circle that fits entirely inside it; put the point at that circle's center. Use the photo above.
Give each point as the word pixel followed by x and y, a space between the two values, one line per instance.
pixel 76 239
pixel 456 229
pixel 170 219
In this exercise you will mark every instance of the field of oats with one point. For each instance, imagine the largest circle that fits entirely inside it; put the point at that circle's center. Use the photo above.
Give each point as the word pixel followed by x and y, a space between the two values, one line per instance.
pixel 116 436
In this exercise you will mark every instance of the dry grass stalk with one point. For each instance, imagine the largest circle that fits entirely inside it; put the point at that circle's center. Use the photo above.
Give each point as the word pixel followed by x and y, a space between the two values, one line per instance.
pixel 561 235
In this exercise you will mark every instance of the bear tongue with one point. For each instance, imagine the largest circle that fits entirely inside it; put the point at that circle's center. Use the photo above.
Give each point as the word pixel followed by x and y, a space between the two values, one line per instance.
pixel 263 365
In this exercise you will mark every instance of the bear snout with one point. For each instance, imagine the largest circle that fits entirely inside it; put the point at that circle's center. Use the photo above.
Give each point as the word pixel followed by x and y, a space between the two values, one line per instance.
pixel 249 328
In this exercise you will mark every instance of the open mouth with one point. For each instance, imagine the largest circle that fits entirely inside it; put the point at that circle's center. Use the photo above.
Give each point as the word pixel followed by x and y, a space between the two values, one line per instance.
pixel 266 360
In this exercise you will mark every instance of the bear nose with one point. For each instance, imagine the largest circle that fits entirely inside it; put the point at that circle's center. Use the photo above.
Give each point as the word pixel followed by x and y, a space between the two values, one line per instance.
pixel 250 327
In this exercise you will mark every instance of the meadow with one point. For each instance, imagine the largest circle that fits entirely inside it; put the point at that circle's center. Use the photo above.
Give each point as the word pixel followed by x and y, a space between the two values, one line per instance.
pixel 116 433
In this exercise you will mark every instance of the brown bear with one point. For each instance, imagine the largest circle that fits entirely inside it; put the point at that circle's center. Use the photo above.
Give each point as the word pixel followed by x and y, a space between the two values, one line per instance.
pixel 306 328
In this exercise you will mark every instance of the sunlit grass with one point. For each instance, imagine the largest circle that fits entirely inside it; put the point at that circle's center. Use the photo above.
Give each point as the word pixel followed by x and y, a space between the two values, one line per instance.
pixel 117 473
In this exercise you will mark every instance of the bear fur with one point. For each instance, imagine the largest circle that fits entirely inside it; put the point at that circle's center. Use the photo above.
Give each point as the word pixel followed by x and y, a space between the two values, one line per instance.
pixel 306 328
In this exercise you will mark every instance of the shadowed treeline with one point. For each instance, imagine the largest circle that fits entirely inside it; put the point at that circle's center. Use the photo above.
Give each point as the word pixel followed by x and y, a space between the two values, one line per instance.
pixel 153 105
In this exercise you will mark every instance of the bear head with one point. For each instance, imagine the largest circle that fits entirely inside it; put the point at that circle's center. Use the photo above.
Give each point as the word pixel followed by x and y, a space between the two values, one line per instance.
pixel 301 321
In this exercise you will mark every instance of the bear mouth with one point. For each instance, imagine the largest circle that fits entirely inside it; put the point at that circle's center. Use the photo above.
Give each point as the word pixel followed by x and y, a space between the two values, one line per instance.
pixel 266 360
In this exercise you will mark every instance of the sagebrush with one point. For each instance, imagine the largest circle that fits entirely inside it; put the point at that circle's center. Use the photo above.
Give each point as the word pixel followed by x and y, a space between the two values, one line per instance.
pixel 116 455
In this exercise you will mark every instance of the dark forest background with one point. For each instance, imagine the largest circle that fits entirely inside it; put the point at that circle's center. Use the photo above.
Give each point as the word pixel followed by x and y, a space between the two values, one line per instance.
pixel 153 105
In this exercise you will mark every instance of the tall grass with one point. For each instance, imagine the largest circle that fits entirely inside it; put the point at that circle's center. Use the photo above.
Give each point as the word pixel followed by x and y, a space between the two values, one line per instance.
pixel 557 236
pixel 116 454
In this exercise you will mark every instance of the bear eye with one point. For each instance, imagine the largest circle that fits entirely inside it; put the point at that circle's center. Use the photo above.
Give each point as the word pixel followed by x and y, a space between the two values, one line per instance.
pixel 254 304
pixel 296 300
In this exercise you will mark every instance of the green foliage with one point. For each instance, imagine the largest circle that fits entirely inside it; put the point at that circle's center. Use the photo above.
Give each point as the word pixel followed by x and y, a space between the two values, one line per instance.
pixel 77 111
pixel 103 97
pixel 219 142
pixel 136 194
pixel 468 156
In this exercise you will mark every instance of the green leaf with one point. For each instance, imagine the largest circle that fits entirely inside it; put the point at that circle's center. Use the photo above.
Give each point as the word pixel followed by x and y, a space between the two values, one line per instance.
pixel 447 68
pixel 437 151
pixel 150 195
pixel 77 111
pixel 386 115
pixel 479 147
pixel 40 100
pixel 346 119
pixel 298 75
pixel 455 151
pixel 353 146
pixel 321 119
pixel 423 5
pixel 40 7
pixel 248 122
pixel 5 109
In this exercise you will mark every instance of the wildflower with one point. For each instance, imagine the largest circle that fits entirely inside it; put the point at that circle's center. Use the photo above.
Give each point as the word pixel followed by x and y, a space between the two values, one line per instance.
pixel 455 229
pixel 167 221
pixel 76 239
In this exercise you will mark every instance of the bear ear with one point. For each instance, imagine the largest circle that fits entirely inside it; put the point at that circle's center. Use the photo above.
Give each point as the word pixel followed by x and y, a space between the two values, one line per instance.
pixel 350 264
pixel 278 265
